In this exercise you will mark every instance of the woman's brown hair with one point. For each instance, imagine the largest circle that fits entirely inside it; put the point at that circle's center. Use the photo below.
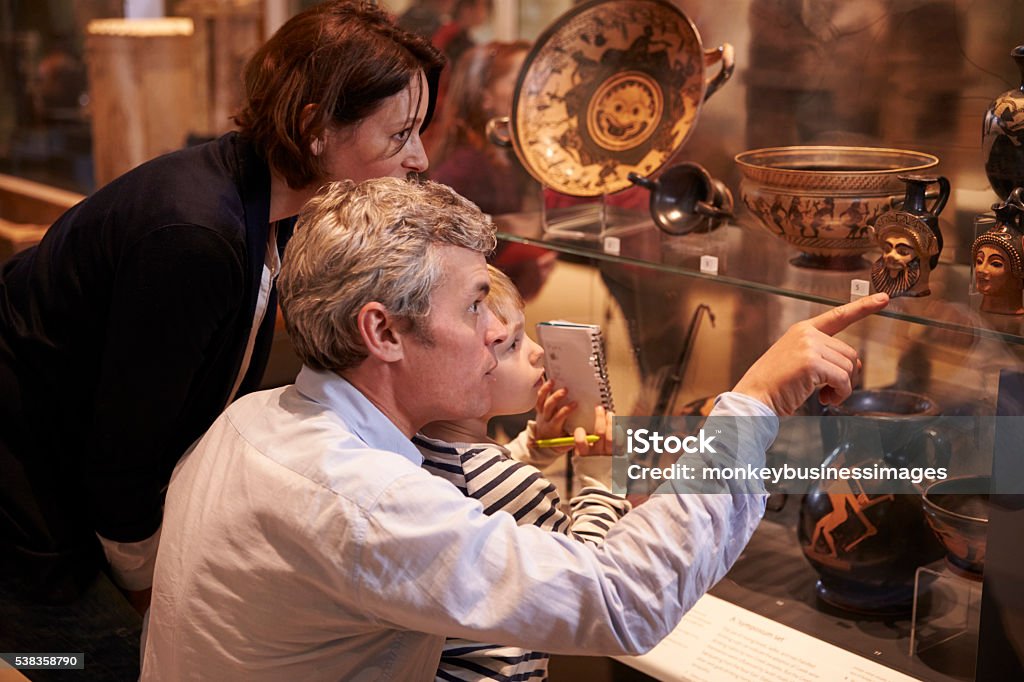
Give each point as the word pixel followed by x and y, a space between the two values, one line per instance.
pixel 342 56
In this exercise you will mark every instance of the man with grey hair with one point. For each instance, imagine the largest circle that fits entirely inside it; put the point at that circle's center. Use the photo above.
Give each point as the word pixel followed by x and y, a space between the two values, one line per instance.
pixel 302 539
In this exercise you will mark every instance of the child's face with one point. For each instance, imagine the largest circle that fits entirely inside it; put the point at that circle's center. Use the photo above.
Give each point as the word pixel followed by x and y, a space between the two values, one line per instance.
pixel 520 371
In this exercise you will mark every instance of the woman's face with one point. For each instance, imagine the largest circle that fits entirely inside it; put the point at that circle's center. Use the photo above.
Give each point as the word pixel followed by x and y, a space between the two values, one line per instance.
pixel 384 144
pixel 992 271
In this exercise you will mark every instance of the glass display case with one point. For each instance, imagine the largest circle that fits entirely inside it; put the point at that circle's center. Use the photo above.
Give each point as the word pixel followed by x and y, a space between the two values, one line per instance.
pixel 646 287
pixel 906 75
pixel 684 316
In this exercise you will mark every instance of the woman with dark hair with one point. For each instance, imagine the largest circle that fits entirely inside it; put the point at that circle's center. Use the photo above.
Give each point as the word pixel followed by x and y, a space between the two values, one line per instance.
pixel 150 306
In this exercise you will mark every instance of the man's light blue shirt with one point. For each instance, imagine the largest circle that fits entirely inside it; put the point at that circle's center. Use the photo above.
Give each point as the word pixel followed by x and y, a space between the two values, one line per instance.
pixel 302 540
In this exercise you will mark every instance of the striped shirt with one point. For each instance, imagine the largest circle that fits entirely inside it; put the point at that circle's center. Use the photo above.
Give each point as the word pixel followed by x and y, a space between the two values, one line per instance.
pixel 486 472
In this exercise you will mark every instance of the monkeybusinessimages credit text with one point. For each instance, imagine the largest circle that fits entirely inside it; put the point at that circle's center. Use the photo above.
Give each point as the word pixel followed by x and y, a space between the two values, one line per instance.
pixel 643 446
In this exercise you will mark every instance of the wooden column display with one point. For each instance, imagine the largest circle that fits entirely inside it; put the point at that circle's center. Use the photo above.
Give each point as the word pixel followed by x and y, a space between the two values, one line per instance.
pixel 227 33
pixel 141 90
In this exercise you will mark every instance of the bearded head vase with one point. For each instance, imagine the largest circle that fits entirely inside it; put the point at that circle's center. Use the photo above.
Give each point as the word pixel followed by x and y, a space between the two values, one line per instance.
pixel 909 249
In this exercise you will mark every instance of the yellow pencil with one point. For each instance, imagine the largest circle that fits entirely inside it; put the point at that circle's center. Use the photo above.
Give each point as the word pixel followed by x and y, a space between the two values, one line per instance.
pixel 566 440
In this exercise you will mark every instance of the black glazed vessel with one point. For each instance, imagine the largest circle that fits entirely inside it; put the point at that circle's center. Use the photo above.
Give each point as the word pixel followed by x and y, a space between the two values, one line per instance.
pixel 915 204
pixel 1002 136
pixel 685 199
pixel 958 511
pixel 864 540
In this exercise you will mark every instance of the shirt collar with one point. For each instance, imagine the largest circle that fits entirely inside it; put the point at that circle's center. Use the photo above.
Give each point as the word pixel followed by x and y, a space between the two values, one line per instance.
pixel 455 448
pixel 361 416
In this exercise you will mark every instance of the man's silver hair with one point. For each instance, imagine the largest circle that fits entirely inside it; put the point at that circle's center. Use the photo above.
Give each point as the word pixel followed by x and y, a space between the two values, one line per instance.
pixel 373 241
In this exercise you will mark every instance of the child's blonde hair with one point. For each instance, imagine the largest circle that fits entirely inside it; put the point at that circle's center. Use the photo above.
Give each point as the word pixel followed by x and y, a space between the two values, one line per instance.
pixel 504 299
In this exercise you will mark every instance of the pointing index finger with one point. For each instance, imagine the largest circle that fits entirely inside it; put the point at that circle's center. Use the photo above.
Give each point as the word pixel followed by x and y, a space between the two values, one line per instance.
pixel 839 318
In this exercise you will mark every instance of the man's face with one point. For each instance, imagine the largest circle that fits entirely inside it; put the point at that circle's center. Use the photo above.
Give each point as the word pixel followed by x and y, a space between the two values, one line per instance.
pixel 898 253
pixel 447 366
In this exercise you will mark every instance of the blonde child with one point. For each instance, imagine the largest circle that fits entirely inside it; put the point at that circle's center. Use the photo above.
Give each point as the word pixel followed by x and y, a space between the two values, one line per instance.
pixel 504 479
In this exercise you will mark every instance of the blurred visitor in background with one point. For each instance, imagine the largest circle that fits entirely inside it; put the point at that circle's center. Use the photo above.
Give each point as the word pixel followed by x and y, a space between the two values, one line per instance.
pixel 59 86
pixel 453 38
pixel 483 83
pixel 482 87
pixel 425 17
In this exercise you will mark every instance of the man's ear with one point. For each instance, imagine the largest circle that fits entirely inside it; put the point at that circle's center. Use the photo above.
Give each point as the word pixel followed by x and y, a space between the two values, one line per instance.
pixel 379 332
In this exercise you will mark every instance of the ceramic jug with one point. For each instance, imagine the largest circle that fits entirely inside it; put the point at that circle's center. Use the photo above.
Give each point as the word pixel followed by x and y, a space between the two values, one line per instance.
pixel 910 239
pixel 915 203
pixel 864 539
pixel 1002 136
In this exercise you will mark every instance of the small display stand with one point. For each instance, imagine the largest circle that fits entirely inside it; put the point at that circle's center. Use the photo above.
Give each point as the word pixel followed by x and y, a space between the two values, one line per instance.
pixel 631 233
pixel 703 251
pixel 946 614
pixel 591 220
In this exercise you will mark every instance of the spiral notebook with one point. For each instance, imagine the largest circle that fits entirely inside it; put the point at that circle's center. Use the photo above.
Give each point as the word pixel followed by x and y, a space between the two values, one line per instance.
pixel 574 359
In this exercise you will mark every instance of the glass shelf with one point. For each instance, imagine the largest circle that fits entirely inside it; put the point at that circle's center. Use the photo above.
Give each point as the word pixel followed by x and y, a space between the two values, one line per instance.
pixel 751 258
